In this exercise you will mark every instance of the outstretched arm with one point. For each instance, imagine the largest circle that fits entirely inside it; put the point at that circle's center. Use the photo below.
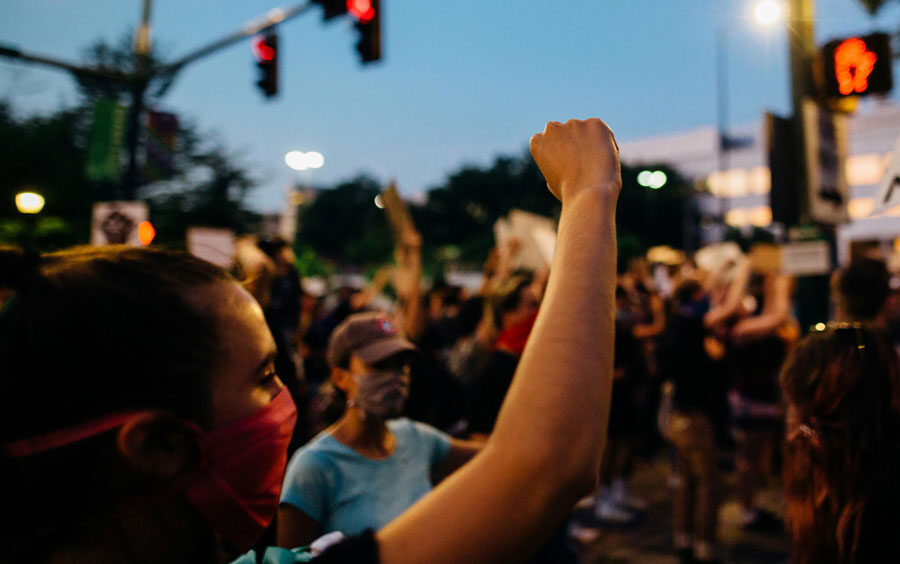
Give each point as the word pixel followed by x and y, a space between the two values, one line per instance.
pixel 544 452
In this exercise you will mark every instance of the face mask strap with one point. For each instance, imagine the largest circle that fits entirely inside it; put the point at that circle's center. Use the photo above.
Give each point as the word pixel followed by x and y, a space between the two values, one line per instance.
pixel 69 435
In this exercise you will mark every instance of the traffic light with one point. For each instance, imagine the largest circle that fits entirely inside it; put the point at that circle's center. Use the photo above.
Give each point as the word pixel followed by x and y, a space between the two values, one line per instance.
pixel 368 26
pixel 858 66
pixel 265 49
pixel 332 8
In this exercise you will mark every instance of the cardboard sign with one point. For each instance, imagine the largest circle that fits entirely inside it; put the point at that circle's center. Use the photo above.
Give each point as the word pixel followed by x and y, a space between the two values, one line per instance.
pixel 808 258
pixel 397 212
pixel 212 245
pixel 116 223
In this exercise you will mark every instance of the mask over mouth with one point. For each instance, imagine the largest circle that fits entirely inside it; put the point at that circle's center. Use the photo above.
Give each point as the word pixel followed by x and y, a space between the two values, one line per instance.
pixel 238 482
pixel 381 394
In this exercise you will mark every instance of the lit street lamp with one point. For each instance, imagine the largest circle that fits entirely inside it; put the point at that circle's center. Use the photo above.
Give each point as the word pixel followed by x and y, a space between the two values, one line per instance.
pixel 29 202
pixel 766 13
pixel 299 160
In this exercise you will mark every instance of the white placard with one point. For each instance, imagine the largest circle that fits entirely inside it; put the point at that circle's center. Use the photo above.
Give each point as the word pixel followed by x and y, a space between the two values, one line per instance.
pixel 116 223
pixel 212 245
pixel 808 258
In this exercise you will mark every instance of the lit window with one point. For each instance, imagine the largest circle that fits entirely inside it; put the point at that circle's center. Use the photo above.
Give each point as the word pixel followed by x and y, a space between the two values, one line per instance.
pixel 760 216
pixel 865 170
pixel 859 208
pixel 736 217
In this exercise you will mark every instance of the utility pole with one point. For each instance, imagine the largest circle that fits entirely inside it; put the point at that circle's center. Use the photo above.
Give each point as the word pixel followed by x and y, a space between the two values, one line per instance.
pixel 139 83
pixel 802 47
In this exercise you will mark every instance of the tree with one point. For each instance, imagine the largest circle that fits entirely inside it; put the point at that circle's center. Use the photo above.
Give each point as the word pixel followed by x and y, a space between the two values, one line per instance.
pixel 208 188
pixel 343 224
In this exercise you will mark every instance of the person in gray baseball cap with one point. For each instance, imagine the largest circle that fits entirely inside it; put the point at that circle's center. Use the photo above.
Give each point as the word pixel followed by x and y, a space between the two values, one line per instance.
pixel 372 464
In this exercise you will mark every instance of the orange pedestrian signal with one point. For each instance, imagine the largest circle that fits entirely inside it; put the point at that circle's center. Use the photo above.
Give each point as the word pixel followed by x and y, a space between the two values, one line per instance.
pixel 858 66
pixel 146 232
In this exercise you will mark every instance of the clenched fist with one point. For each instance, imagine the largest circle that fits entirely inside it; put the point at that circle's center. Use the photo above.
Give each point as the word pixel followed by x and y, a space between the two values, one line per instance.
pixel 578 156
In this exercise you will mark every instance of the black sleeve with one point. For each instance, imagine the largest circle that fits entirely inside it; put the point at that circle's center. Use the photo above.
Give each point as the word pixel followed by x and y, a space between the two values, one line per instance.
pixel 360 549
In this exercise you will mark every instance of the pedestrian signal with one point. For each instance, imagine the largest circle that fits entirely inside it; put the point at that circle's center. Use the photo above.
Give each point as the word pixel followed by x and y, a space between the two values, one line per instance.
pixel 858 66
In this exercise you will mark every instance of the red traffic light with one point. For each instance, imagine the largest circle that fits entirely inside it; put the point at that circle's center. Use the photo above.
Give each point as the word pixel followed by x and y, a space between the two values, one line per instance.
pixel 362 10
pixel 262 50
pixel 858 66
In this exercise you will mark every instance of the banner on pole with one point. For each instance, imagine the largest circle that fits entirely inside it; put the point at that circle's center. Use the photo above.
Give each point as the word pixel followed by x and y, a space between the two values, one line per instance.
pixel 105 146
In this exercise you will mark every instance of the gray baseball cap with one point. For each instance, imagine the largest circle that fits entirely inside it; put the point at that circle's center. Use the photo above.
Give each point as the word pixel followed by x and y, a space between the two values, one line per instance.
pixel 372 337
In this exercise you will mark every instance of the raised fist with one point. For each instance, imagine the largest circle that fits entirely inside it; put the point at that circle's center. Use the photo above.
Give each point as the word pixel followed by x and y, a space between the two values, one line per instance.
pixel 578 156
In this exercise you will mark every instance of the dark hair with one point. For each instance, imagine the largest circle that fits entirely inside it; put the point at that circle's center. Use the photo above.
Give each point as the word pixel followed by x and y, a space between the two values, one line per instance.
pixel 863 288
pixel 272 245
pixel 686 290
pixel 97 330
pixel 842 473
pixel 91 332
pixel 507 297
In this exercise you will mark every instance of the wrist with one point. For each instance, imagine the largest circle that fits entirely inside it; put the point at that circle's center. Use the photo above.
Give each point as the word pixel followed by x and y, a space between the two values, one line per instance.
pixel 603 194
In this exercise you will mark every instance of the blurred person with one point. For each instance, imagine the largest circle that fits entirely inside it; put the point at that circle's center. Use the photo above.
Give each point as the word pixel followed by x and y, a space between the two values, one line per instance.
pixel 860 290
pixel 371 465
pixel 613 503
pixel 756 345
pixel 514 308
pixel 690 426
pixel 282 312
pixel 842 447
pixel 169 437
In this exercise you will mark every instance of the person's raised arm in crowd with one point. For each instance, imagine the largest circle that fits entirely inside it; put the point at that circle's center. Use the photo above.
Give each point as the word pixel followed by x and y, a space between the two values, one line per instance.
pixel 733 297
pixel 544 452
pixel 776 310
pixel 408 282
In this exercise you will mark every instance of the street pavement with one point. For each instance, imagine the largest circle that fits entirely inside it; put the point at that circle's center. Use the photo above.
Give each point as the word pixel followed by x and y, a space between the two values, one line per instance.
pixel 649 539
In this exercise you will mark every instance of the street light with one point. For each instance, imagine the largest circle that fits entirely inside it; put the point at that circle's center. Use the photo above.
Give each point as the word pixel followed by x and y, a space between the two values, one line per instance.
pixel 29 202
pixel 299 160
pixel 768 12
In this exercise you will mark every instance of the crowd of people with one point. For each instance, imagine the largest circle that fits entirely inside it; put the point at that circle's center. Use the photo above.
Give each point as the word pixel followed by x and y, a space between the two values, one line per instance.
pixel 159 408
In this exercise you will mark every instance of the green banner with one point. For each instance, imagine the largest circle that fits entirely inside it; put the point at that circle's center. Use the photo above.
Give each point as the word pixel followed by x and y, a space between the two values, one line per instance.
pixel 105 149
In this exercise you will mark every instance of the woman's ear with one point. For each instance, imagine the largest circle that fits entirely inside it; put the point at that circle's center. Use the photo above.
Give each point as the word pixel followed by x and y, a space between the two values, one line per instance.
pixel 160 446
pixel 340 378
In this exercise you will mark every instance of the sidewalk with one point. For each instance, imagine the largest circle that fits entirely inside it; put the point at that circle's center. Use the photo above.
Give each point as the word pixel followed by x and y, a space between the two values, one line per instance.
pixel 649 540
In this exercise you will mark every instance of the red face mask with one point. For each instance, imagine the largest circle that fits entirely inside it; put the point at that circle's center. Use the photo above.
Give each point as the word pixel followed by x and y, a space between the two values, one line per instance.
pixel 514 337
pixel 238 485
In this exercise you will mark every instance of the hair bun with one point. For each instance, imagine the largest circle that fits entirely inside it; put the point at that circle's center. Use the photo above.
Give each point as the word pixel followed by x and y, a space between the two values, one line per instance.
pixel 17 267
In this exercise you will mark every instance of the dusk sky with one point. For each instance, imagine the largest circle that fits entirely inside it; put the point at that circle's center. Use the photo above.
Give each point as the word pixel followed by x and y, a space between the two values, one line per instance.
pixel 461 81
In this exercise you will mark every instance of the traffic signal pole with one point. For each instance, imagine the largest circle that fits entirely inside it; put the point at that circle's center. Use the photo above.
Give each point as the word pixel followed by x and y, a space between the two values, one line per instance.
pixel 802 48
pixel 144 73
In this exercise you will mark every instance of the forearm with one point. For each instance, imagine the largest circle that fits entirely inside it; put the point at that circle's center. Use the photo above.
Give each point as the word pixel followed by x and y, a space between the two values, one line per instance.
pixel 571 345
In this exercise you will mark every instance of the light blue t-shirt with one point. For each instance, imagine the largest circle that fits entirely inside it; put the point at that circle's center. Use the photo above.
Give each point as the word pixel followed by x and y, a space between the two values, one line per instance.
pixel 347 492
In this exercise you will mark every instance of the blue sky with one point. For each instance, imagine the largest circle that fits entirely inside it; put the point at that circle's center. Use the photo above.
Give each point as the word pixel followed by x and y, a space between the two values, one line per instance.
pixel 461 81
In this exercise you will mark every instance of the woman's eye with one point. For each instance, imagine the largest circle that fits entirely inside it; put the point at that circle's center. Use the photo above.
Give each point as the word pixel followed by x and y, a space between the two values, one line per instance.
pixel 269 377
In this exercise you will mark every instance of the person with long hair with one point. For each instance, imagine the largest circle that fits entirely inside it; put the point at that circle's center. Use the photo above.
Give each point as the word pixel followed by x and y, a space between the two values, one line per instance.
pixel 842 447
